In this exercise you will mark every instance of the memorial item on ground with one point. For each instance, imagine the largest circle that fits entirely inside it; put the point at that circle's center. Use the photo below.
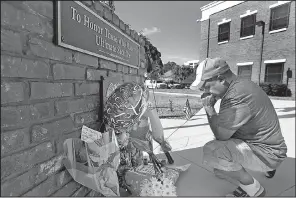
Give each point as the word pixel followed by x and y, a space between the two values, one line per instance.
pixel 93 162
pixel 127 113
pixel 143 181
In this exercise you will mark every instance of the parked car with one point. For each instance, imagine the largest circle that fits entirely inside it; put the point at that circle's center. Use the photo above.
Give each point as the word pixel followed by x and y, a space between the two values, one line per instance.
pixel 155 84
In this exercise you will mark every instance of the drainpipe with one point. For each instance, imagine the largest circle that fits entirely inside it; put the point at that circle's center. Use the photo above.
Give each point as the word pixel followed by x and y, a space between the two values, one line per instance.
pixel 261 23
pixel 208 46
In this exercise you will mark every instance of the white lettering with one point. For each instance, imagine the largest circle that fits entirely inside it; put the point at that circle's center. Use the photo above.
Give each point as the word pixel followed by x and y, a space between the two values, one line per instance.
pixel 78 18
pixel 74 11
pixel 86 21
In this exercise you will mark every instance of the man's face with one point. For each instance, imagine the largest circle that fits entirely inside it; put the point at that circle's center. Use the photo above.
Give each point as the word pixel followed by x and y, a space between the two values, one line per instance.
pixel 215 87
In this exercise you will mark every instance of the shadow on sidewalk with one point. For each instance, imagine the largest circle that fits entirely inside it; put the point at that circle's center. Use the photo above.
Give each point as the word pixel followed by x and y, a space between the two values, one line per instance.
pixel 199 179
pixel 286 116
pixel 185 126
pixel 287 109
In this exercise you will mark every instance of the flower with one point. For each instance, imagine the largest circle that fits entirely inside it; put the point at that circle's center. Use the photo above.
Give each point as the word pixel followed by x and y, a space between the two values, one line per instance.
pixel 155 187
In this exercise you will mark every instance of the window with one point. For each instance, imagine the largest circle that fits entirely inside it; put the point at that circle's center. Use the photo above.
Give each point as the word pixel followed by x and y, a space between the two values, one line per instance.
pixel 245 72
pixel 248 25
pixel 223 32
pixel 279 17
pixel 274 72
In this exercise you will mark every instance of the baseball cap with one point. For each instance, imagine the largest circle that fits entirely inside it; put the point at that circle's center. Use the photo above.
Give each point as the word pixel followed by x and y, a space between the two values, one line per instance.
pixel 208 69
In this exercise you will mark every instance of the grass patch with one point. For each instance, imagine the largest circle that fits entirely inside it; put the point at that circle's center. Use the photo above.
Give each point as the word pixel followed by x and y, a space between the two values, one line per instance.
pixel 174 109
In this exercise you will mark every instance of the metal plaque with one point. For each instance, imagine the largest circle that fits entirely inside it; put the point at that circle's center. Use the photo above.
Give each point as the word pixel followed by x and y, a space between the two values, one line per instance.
pixel 81 29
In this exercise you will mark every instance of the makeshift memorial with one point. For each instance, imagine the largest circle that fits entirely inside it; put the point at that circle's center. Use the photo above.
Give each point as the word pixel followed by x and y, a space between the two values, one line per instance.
pixel 142 180
pixel 93 162
pixel 127 113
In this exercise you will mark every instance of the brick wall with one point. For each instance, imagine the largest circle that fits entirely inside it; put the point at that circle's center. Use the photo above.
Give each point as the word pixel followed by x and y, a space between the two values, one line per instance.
pixel 279 45
pixel 47 94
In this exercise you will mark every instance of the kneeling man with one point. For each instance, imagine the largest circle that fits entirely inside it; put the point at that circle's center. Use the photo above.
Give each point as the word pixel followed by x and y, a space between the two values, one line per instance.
pixel 247 129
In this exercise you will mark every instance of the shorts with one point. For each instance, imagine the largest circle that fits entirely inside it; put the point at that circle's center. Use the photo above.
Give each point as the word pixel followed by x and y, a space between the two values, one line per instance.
pixel 232 155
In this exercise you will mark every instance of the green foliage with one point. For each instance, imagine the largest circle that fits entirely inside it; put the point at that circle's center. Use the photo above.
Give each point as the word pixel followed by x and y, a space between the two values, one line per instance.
pixel 181 73
pixel 274 89
pixel 154 62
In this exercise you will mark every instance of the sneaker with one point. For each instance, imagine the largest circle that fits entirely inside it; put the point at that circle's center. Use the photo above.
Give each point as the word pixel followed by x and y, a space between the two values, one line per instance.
pixel 270 174
pixel 239 192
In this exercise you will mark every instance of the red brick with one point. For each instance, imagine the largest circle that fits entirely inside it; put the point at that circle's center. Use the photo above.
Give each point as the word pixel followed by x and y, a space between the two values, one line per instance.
pixel 67 190
pixel 86 88
pixel 40 8
pixel 26 160
pixel 107 14
pixel 115 20
pixel 51 130
pixel 133 34
pixel 88 3
pixel 41 90
pixel 86 59
pixel 44 189
pixel 127 30
pixel 11 41
pixel 14 17
pixel 48 50
pixel 81 192
pixel 99 8
pixel 14 116
pixel 63 178
pixel 20 67
pixel 121 25
pixel 136 37
pixel 133 71
pixel 129 78
pixel 143 64
pixel 14 140
pixel 61 71
pixel 60 140
pixel 76 106
pixel 12 92
pixel 104 64
pixel 19 185
pixel 92 74
pixel 125 69
pixel 119 68
pixel 88 117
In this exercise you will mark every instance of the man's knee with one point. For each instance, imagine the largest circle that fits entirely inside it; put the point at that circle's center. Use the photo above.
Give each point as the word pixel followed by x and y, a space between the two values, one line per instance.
pixel 211 146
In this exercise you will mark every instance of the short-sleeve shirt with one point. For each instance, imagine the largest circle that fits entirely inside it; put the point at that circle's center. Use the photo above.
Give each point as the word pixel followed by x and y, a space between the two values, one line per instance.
pixel 247 112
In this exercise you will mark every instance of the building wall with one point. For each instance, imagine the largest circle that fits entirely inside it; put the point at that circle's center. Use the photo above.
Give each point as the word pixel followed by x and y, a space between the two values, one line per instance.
pixel 280 45
pixel 47 94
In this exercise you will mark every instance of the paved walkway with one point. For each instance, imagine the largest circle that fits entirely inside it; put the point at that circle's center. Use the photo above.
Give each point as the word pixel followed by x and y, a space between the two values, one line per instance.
pixel 188 137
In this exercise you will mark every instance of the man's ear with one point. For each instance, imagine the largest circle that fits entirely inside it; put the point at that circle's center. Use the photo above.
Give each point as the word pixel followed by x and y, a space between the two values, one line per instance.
pixel 221 78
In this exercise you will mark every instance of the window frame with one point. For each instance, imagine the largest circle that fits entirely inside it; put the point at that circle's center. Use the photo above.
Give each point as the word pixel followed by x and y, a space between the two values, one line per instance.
pixel 271 14
pixel 241 66
pixel 254 26
pixel 282 71
pixel 219 33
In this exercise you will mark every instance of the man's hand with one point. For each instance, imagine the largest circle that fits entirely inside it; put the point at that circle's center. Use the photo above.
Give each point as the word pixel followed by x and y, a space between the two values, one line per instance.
pixel 208 100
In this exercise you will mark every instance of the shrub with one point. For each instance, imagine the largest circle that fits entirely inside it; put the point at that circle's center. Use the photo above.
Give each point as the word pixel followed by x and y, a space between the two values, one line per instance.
pixel 274 89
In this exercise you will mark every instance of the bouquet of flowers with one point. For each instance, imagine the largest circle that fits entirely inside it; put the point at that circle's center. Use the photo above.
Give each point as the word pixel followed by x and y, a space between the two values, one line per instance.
pixel 154 187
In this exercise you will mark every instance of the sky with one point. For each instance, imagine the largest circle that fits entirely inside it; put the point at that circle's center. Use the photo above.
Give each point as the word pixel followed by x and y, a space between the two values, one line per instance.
pixel 170 25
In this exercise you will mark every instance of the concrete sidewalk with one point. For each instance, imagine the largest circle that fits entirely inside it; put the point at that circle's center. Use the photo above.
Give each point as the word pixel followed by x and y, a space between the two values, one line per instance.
pixel 188 137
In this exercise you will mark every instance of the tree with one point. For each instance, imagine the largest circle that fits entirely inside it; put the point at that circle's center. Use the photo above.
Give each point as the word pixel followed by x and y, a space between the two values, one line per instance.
pixel 154 62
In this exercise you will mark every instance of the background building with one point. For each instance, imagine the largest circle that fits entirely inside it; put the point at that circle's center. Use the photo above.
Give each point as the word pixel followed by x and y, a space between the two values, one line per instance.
pixel 192 63
pixel 233 30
